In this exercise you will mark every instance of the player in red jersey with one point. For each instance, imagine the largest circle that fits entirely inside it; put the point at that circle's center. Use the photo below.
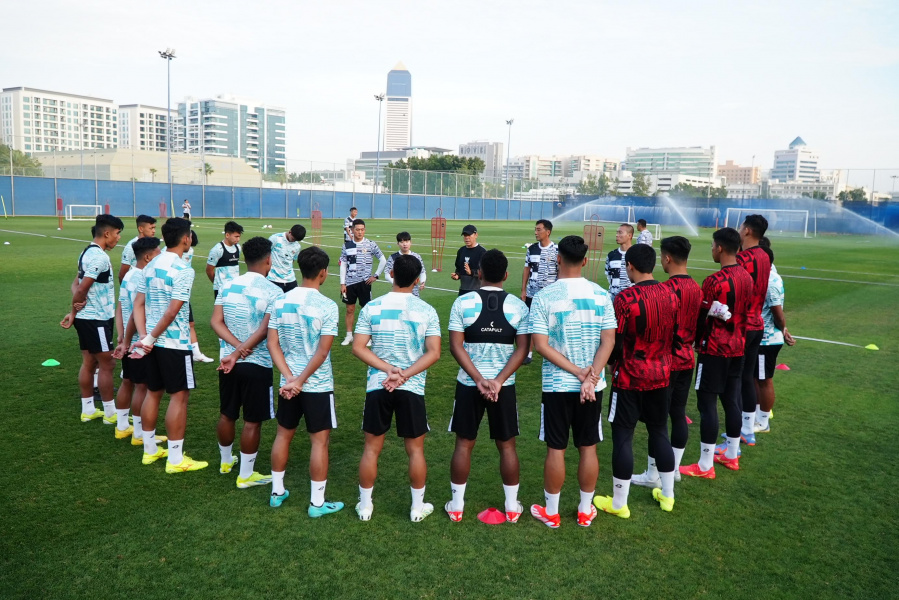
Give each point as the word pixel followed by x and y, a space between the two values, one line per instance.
pixel 720 340
pixel 758 265
pixel 640 373
pixel 675 251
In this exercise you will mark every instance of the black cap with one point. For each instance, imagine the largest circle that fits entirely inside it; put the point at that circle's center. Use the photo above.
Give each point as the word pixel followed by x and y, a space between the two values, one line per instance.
pixel 469 229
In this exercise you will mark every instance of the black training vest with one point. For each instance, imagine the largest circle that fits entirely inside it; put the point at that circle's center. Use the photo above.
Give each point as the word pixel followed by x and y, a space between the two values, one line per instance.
pixel 104 277
pixel 491 326
pixel 229 259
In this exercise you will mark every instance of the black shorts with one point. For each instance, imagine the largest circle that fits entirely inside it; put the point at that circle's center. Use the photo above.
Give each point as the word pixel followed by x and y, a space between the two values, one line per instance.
pixel 626 407
pixel 190 312
pixel 766 361
pixel 469 407
pixel 169 369
pixel 286 286
pixel 679 389
pixel 358 291
pixel 95 336
pixel 712 372
pixel 561 411
pixel 316 407
pixel 751 352
pixel 215 294
pixel 133 370
pixel 187 216
pixel 248 385
pixel 527 301
pixel 380 406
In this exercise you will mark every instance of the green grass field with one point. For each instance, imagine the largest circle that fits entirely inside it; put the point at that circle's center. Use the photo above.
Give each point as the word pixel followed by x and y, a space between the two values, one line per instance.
pixel 813 512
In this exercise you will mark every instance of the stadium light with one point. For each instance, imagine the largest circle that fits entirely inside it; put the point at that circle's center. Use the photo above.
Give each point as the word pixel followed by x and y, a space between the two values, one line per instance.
pixel 508 155
pixel 168 54
pixel 380 99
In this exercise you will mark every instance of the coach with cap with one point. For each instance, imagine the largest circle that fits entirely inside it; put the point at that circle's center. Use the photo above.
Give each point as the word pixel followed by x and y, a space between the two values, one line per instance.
pixel 468 261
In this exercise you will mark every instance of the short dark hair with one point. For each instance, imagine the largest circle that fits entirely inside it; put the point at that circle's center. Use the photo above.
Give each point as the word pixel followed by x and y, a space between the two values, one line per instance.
pixel 406 269
pixel 358 222
pixel 311 261
pixel 233 227
pixel 765 244
pixel 194 240
pixel 641 223
pixel 256 249
pixel 757 224
pixel 403 236
pixel 173 230
pixel 677 247
pixel 572 249
pixel 145 219
pixel 494 265
pixel 547 224
pixel 728 238
pixel 143 246
pixel 298 232
pixel 352 208
pixel 629 227
pixel 104 222
pixel 642 257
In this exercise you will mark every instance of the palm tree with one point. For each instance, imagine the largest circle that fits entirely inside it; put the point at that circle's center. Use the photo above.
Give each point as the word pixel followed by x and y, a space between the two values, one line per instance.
pixel 208 169
pixel 152 175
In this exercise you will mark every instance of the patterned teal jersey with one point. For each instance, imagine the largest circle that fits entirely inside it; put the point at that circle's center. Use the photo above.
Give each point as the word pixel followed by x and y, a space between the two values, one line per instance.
pixel 489 359
pixel 572 313
pixel 245 301
pixel 95 263
pixel 772 336
pixel 188 257
pixel 283 255
pixel 224 274
pixel 128 257
pixel 301 317
pixel 398 325
pixel 131 282
pixel 167 278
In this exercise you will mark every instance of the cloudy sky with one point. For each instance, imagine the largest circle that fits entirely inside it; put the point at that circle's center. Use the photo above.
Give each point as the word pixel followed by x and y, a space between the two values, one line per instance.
pixel 578 77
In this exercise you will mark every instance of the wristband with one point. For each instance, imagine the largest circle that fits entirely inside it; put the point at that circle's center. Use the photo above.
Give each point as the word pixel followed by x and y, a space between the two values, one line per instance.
pixel 148 341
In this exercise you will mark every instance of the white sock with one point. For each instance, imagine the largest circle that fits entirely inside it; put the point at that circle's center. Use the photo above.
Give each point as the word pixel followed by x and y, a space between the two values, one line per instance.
pixel 762 418
pixel 748 422
pixel 109 408
pixel 678 457
pixel 552 503
pixel 225 452
pixel 586 502
pixel 511 492
pixel 733 447
pixel 87 406
pixel 365 496
pixel 458 500
pixel 418 498
pixel 138 428
pixel 176 451
pixel 150 442
pixel 122 421
pixel 667 484
pixel 247 462
pixel 278 483
pixel 349 334
pixel 530 355
pixel 195 349
pixel 651 469
pixel 706 456
pixel 620 489
pixel 318 492
pixel 96 379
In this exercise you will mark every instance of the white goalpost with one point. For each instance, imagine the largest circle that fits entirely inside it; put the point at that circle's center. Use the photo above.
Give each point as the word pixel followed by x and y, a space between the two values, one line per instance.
pixel 780 221
pixel 609 213
pixel 82 212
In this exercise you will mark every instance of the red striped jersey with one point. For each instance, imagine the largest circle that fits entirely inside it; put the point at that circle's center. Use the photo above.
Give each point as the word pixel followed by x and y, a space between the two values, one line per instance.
pixel 645 313
pixel 689 297
pixel 732 285
pixel 758 265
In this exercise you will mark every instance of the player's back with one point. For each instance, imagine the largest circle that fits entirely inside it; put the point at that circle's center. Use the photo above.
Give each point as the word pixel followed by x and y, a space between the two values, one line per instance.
pixel 645 313
pixel 732 286
pixel 301 317
pixel 168 278
pixel 689 298
pixel 758 265
pixel 245 301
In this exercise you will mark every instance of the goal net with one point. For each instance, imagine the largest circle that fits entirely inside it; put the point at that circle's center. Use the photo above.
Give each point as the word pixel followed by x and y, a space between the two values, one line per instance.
pixel 82 212
pixel 609 213
pixel 780 221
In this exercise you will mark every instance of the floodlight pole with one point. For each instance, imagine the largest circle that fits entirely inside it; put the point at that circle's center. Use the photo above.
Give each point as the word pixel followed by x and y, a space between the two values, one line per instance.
pixel 168 54
pixel 508 156
pixel 380 99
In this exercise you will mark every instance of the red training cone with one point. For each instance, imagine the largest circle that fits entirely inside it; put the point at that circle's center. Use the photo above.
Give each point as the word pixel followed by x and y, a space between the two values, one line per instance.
pixel 689 421
pixel 492 516
pixel 782 367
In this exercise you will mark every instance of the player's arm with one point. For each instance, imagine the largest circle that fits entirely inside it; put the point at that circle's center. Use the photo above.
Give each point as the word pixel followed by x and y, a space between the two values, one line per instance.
pixel 522 344
pixel 609 269
pixel 541 343
pixel 318 359
pixel 120 328
pixel 457 349
pixel 168 317
pixel 122 270
pixel 423 276
pixel 210 272
pixel 342 276
pixel 221 329
pixel 382 262
pixel 525 277
pixel 607 340
pixel 388 270
pixel 780 321
pixel 79 295
pixel 431 355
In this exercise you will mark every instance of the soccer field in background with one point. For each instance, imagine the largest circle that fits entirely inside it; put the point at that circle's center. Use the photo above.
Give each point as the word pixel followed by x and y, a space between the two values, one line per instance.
pixel 811 513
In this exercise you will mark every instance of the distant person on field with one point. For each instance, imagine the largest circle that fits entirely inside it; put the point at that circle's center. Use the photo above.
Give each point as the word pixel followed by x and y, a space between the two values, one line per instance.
pixel 285 248
pixel 404 241
pixel 645 237
pixel 93 314
pixel 185 209
pixel 356 261
pixel 348 224
pixel 146 227
pixel 223 263
pixel 540 266
pixel 616 270
pixel 468 261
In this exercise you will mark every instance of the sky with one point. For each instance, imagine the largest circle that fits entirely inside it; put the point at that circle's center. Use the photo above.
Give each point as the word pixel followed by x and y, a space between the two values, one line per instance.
pixel 578 77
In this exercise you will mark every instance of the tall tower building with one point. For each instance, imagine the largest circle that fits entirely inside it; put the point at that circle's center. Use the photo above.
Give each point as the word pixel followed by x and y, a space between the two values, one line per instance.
pixel 797 163
pixel 398 124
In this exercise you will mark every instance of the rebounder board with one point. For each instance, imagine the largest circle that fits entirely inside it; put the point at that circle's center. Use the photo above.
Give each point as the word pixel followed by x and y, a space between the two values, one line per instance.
pixel 593 236
pixel 438 241
pixel 316 217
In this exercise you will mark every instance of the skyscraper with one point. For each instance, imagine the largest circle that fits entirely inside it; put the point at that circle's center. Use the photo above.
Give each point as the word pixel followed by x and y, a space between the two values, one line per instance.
pixel 398 125
pixel 797 163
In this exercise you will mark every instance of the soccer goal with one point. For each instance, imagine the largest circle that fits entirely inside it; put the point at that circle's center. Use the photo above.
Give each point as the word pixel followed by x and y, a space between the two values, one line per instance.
pixel 82 212
pixel 780 221
pixel 609 213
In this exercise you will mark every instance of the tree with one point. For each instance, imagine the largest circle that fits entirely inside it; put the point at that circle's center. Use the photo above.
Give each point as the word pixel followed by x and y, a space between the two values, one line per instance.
pixel 640 185
pixel 22 164
pixel 589 186
pixel 207 168
pixel 152 174
pixel 448 175
pixel 853 195
pixel 817 195
pixel 692 191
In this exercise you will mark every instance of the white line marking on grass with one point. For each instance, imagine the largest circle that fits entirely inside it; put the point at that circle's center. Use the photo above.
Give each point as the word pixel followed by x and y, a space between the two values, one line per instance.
pixel 827 341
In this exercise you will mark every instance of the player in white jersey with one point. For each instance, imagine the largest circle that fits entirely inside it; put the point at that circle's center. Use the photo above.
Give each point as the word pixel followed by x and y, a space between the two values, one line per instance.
pixel 93 312
pixel 185 209
pixel 302 329
pixel 240 319
pixel 285 248
pixel 356 277
pixel 146 227
pixel 405 336
pixel 161 306
pixel 348 224
pixel 489 339
pixel 133 388
pixel 223 262
pixel 644 237
pixel 188 257
pixel 540 267
pixel 404 241
pixel 616 270
pixel 573 324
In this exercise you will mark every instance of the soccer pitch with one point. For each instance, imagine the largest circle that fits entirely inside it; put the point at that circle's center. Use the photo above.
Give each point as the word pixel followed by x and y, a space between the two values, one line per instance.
pixel 809 513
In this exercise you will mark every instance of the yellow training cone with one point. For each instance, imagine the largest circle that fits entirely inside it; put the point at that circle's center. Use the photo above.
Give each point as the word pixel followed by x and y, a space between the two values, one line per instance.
pixel 871 347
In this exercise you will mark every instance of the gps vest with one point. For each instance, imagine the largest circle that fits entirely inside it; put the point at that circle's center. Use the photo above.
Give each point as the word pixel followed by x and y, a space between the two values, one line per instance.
pixel 228 259
pixel 104 277
pixel 491 326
